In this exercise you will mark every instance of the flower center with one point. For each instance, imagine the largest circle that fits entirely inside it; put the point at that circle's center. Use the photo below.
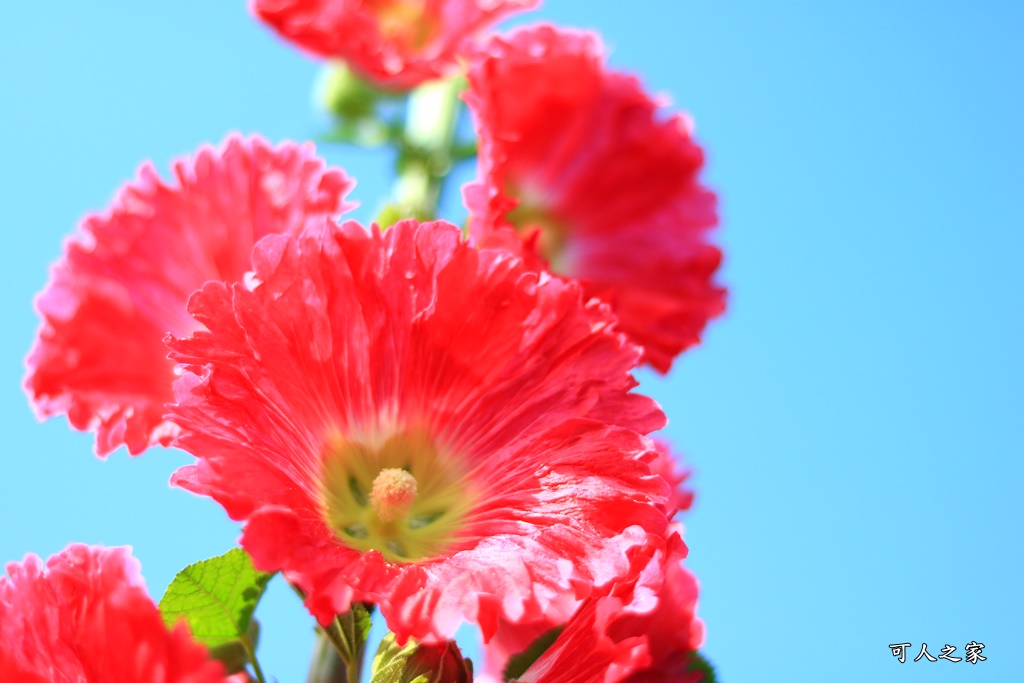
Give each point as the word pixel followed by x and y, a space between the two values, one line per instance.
pixel 406 23
pixel 401 495
pixel 538 225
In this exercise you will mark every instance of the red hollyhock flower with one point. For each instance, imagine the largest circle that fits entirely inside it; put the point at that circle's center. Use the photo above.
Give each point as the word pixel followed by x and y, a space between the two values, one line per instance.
pixel 403 419
pixel 86 618
pixel 125 278
pixel 579 169
pixel 396 44
pixel 512 638
pixel 643 630
pixel 665 466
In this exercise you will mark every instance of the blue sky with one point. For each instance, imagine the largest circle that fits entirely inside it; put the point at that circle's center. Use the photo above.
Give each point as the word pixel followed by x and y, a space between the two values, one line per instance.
pixel 855 420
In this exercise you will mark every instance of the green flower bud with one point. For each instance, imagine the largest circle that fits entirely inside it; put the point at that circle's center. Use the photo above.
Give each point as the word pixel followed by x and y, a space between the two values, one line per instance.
pixel 420 663
pixel 346 95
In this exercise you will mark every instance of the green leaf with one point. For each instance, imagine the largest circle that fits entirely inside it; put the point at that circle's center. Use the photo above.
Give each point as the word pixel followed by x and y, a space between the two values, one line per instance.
pixel 419 663
pixel 699 663
pixel 234 654
pixel 518 664
pixel 216 597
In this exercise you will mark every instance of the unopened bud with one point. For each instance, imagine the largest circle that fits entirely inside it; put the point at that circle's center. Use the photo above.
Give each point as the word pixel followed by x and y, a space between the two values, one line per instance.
pixel 420 663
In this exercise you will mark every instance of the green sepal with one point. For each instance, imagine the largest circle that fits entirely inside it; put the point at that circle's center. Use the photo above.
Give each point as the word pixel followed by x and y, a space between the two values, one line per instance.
pixel 699 663
pixel 217 598
pixel 349 632
pixel 419 663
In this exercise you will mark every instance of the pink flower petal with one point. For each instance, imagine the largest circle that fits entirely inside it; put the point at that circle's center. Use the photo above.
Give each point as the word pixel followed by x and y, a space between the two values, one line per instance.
pixel 599 185
pixel 125 278
pixel 395 43
pixel 642 629
pixel 354 340
pixel 86 618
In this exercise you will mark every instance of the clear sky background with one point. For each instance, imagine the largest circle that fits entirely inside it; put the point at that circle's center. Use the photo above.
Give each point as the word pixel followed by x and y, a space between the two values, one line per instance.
pixel 855 420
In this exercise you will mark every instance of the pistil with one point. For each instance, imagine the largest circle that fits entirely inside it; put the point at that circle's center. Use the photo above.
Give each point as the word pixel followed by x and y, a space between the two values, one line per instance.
pixel 394 491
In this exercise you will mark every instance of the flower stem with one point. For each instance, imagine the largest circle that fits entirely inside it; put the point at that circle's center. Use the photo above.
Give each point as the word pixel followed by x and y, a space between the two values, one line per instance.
pixel 327 665
pixel 333 658
pixel 428 147
pixel 251 651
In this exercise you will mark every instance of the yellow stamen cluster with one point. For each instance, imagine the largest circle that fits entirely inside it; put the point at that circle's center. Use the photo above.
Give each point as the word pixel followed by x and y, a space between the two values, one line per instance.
pixel 399 494
pixel 394 491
